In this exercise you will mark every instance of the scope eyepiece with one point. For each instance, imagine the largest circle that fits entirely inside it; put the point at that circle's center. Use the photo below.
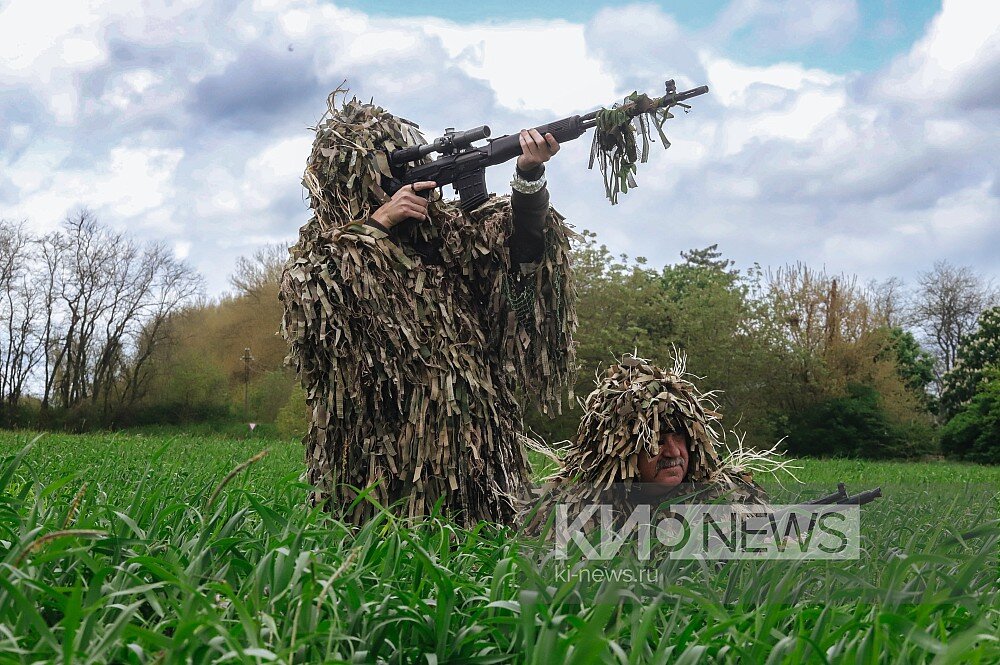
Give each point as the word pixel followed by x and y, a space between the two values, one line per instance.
pixel 402 156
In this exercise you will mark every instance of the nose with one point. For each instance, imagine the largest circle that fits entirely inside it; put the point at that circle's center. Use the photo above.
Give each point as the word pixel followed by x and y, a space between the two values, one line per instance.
pixel 673 444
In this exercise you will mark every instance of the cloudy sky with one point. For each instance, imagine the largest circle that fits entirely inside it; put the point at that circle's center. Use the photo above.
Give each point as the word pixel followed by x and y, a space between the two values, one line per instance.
pixel 857 134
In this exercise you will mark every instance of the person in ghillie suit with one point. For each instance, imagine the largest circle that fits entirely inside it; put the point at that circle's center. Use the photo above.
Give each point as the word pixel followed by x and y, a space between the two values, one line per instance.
pixel 647 436
pixel 412 325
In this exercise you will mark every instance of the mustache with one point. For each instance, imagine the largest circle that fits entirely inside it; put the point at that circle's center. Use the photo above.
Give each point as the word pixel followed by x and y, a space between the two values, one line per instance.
pixel 668 462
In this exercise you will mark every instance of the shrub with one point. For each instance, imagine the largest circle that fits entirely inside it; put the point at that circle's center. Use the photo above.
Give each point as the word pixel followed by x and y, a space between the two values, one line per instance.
pixel 269 392
pixel 186 389
pixel 855 425
pixel 973 433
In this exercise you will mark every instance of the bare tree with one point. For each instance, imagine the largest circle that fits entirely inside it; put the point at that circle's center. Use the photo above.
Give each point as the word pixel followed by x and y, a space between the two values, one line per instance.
pixel 889 298
pixel 168 285
pixel 832 328
pixel 253 274
pixel 946 307
pixel 51 248
pixel 20 345
pixel 86 292
pixel 82 309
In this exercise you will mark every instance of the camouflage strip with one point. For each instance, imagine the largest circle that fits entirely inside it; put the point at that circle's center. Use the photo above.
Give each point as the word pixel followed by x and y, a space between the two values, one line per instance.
pixel 623 416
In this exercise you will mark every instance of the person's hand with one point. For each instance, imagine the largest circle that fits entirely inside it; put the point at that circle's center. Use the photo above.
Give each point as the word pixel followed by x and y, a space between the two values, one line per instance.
pixel 535 149
pixel 404 204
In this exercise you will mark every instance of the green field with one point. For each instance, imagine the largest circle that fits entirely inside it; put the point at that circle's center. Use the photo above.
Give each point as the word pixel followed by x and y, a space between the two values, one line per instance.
pixel 124 548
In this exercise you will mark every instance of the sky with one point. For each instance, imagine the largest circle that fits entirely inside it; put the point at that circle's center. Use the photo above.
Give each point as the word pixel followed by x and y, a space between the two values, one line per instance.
pixel 856 135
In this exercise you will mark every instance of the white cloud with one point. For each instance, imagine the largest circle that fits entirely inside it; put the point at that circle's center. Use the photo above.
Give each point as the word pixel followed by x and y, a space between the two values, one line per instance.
pixel 278 162
pixel 47 49
pixel 126 90
pixel 34 39
pixel 38 165
pixel 181 249
pixel 736 84
pixel 957 57
pixel 970 214
pixel 531 65
pixel 784 101
pixel 271 173
pixel 133 181
pixel 641 47
pixel 295 22
pixel 196 135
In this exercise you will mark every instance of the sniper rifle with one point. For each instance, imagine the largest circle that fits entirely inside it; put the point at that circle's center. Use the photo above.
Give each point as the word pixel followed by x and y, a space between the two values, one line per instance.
pixel 463 165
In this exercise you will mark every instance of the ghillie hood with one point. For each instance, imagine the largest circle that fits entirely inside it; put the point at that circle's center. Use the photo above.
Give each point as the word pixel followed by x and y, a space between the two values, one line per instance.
pixel 624 415
pixel 349 158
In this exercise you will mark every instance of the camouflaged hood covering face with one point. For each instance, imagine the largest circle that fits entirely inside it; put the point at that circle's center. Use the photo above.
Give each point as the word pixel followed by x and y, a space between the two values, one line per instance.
pixel 349 158
pixel 624 415
pixel 411 367
pixel 346 170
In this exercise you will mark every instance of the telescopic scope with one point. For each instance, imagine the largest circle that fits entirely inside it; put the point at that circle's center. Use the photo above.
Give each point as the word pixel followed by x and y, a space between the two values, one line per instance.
pixel 452 141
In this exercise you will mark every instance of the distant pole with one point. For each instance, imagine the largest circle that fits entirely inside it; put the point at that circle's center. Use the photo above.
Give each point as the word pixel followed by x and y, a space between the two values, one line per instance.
pixel 247 359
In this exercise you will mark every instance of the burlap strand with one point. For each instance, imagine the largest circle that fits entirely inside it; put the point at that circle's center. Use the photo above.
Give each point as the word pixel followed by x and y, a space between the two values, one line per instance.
pixel 623 416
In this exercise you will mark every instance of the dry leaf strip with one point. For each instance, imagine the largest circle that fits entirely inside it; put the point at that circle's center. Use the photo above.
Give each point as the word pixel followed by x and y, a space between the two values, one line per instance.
pixel 624 416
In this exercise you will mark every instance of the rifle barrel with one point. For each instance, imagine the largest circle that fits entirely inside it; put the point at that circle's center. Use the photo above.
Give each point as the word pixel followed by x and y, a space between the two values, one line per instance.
pixel 862 498
pixel 688 94
pixel 836 497
pixel 590 119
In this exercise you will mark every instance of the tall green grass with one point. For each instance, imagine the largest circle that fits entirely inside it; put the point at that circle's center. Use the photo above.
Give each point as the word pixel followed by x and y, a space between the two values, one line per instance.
pixel 122 548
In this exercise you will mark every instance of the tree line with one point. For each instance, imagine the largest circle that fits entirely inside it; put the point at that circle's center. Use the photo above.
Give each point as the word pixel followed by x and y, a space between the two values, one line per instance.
pixel 84 309
pixel 105 331
pixel 821 361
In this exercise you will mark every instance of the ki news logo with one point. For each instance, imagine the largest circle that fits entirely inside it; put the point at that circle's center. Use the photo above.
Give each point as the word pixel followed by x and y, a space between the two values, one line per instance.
pixel 712 531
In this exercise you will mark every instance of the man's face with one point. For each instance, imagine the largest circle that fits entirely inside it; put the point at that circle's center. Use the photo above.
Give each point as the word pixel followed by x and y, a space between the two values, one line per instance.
pixel 669 467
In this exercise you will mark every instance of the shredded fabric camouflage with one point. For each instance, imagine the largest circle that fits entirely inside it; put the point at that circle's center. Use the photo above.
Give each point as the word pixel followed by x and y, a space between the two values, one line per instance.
pixel 624 415
pixel 411 368
pixel 615 148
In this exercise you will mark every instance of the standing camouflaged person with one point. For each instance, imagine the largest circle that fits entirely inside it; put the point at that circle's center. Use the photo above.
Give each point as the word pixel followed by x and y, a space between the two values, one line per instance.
pixel 412 325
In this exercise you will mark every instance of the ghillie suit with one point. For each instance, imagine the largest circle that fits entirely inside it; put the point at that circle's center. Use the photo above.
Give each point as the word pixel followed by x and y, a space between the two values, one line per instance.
pixel 412 344
pixel 624 416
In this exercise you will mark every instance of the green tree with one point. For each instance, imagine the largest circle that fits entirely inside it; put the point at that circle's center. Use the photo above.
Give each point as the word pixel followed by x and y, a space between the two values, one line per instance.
pixel 724 329
pixel 185 389
pixel 844 355
pixel 293 418
pixel 269 392
pixel 853 425
pixel 974 431
pixel 914 363
pixel 621 308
